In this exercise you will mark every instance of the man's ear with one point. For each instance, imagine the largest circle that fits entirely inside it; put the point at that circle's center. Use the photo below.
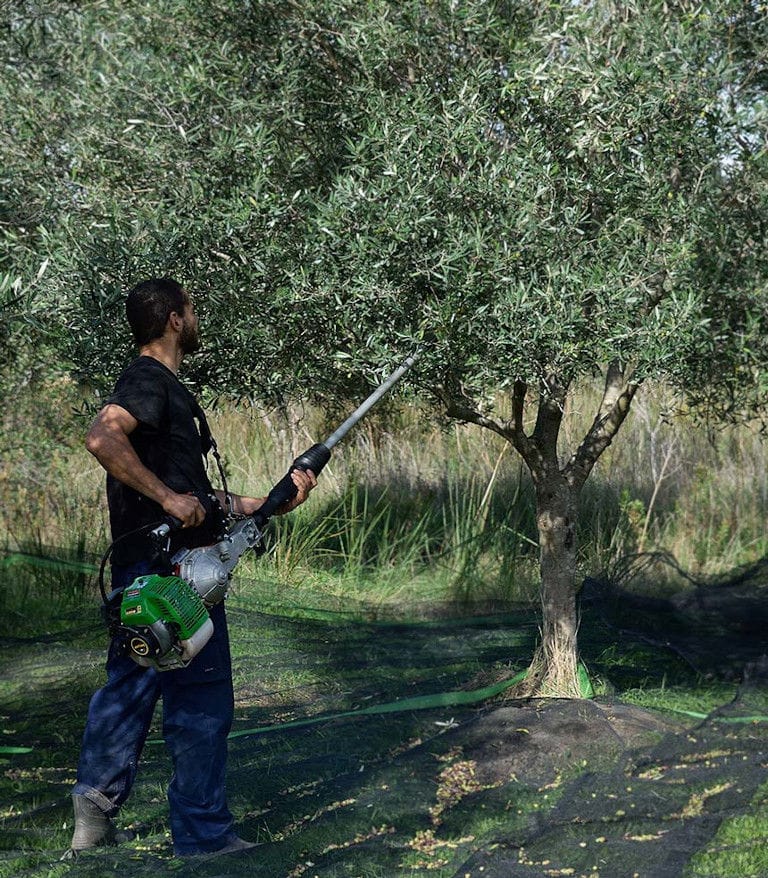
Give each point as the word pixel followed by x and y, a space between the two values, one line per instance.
pixel 175 321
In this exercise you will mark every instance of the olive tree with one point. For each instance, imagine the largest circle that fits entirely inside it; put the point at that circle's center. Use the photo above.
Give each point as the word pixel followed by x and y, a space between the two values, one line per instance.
pixel 551 192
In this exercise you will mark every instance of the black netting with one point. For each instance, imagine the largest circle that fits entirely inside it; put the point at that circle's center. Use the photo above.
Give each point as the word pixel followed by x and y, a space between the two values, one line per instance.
pixel 364 746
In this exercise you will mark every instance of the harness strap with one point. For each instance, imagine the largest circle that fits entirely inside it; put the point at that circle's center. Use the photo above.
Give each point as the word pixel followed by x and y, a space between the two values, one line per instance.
pixel 209 445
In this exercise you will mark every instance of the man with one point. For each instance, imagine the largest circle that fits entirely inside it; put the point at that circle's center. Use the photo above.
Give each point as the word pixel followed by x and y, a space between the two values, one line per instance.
pixel 148 440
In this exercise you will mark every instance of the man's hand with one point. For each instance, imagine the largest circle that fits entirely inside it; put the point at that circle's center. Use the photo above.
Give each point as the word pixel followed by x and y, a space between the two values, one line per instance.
pixel 304 481
pixel 186 507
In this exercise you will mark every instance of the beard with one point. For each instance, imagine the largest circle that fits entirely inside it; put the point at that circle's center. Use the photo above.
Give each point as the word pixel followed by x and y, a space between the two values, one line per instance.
pixel 189 339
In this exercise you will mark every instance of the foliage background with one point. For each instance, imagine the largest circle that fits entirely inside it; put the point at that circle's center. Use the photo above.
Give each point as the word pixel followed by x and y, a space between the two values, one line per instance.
pixel 544 186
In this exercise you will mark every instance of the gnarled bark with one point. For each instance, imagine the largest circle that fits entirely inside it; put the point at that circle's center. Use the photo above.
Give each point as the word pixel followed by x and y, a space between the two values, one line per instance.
pixel 553 670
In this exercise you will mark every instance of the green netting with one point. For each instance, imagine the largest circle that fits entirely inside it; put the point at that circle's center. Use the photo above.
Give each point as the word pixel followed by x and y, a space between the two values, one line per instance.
pixel 372 746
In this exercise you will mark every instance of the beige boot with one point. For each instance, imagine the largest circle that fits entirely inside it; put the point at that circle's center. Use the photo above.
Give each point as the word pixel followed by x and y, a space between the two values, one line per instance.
pixel 92 827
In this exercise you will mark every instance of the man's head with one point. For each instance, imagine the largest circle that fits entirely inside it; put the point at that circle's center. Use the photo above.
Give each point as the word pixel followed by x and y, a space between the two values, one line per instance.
pixel 152 303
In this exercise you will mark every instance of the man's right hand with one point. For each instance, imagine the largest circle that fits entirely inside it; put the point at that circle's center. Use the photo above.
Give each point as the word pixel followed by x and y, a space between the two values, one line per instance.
pixel 186 507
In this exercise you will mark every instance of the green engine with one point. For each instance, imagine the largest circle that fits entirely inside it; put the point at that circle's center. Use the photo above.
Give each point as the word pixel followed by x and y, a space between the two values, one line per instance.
pixel 163 622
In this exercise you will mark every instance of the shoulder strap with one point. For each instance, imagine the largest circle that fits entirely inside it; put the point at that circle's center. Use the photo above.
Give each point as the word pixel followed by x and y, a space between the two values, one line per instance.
pixel 209 445
pixel 206 437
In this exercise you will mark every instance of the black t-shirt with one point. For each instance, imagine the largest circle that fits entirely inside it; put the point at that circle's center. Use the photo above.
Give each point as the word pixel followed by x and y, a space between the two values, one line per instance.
pixel 167 441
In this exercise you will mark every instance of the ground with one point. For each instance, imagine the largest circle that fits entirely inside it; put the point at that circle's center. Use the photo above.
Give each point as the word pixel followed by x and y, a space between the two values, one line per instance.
pixel 364 749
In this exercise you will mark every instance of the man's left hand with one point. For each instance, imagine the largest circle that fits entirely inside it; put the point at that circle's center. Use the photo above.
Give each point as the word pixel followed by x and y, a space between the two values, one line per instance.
pixel 305 481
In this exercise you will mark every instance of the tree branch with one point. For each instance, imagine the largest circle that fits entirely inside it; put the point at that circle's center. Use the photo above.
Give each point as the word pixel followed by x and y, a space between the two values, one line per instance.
pixel 460 406
pixel 614 408
pixel 515 423
pixel 657 292
pixel 522 443
pixel 552 395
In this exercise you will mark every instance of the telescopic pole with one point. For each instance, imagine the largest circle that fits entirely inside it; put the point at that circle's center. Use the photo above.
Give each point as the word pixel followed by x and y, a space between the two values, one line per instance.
pixel 316 457
pixel 362 410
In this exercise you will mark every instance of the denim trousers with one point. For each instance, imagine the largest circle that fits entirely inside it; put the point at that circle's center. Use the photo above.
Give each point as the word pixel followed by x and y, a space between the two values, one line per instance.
pixel 197 712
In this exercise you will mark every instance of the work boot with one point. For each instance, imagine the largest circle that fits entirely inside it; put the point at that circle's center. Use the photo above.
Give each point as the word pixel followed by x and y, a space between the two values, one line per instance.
pixel 236 846
pixel 92 828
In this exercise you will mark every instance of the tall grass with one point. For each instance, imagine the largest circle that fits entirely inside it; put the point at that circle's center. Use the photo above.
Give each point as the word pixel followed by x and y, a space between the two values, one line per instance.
pixel 409 511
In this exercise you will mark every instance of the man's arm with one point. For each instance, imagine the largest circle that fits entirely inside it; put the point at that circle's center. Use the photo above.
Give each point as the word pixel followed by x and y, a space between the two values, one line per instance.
pixel 108 442
pixel 304 481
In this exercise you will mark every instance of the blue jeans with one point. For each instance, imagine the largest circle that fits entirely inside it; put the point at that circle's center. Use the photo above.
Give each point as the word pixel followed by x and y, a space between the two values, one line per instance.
pixel 198 706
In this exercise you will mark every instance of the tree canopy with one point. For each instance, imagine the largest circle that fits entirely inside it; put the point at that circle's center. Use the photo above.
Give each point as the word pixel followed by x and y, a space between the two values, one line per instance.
pixel 544 187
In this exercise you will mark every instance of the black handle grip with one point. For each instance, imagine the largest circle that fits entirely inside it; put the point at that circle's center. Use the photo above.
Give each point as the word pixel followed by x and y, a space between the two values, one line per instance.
pixel 314 458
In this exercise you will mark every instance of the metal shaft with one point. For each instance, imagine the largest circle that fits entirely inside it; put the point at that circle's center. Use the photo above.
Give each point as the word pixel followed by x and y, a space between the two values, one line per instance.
pixel 316 457
pixel 364 407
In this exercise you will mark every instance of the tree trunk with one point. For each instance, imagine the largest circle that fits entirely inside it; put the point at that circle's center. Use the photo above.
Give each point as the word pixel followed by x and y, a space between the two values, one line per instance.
pixel 554 669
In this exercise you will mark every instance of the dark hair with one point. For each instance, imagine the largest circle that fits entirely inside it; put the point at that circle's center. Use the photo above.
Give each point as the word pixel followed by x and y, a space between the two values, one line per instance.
pixel 150 304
